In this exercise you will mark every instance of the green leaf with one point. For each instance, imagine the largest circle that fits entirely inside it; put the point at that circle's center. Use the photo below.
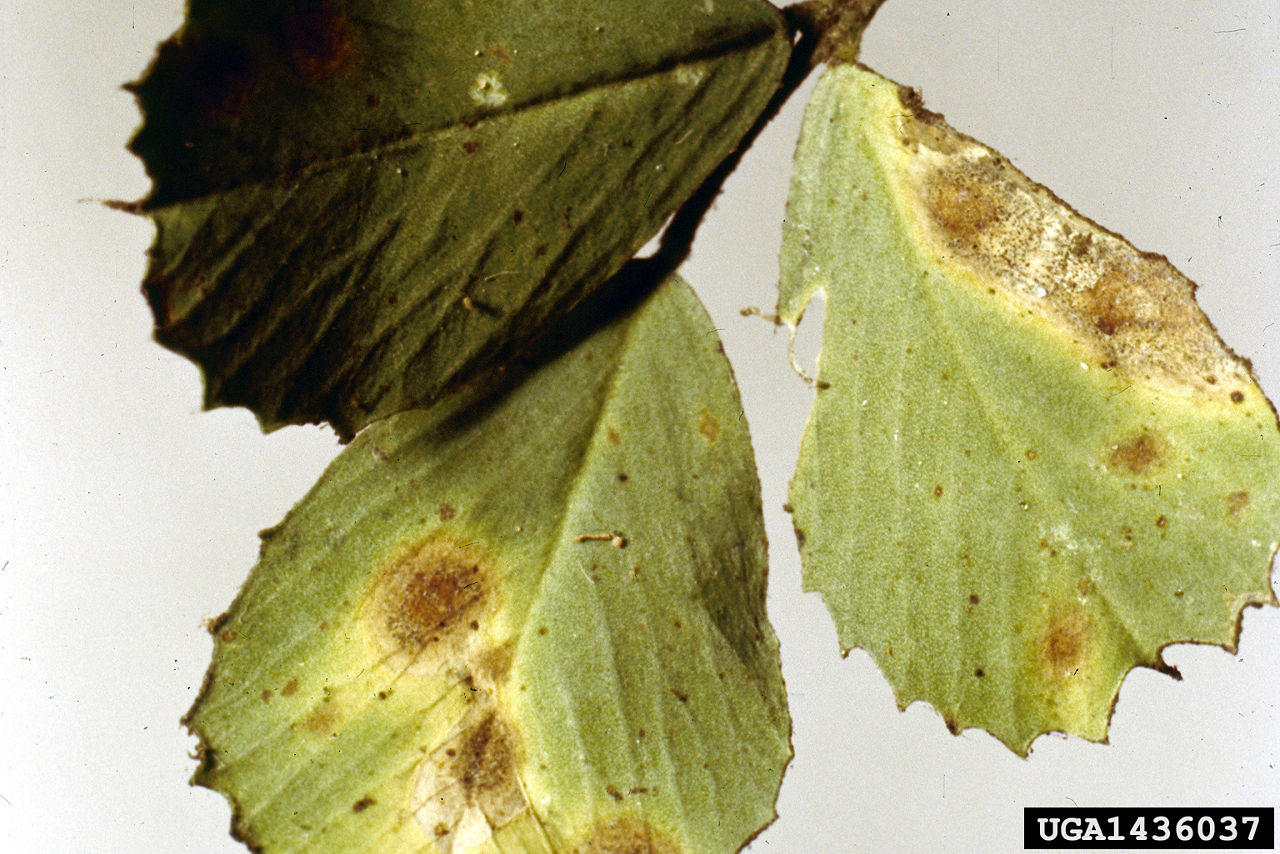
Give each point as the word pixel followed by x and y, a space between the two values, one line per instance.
pixel 1031 463
pixel 537 627
pixel 362 205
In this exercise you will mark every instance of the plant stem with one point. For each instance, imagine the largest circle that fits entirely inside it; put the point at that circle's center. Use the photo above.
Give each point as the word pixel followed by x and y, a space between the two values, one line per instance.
pixel 837 26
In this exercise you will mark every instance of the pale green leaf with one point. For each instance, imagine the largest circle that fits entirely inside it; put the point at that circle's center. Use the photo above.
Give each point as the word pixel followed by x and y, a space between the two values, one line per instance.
pixel 537 627
pixel 1031 463
pixel 361 205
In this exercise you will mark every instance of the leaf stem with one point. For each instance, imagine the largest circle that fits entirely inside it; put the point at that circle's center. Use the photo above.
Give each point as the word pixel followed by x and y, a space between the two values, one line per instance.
pixel 836 25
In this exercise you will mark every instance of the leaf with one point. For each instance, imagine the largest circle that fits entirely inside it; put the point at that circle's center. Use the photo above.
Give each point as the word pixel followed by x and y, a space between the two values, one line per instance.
pixel 1031 463
pixel 362 205
pixel 540 627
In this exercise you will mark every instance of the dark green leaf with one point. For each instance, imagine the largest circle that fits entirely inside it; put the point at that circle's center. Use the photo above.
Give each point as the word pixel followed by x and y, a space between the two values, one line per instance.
pixel 362 205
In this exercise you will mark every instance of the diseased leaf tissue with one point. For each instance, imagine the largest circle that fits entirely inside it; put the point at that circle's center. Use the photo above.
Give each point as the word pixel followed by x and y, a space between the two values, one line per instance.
pixel 1045 464
pixel 430 652
pixel 524 610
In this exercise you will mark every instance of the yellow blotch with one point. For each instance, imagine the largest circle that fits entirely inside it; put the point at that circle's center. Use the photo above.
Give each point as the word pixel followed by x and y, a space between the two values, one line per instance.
pixel 709 425
pixel 626 836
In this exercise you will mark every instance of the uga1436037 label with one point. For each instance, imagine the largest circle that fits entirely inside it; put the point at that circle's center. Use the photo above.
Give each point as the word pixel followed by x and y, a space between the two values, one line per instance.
pixel 1085 828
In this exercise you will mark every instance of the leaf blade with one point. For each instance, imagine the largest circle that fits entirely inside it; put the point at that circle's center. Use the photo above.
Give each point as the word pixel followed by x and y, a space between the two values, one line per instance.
pixel 1051 428
pixel 633 685
pixel 389 227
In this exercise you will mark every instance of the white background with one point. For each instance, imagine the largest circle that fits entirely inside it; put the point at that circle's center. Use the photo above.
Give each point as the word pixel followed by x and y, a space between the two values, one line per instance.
pixel 127 516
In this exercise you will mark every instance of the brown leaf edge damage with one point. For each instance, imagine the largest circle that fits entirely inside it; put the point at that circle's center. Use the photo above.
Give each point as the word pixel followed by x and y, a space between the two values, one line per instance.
pixel 1206 367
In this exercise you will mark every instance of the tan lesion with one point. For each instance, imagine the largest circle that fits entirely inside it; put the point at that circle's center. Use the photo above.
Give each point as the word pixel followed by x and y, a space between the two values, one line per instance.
pixel 1144 453
pixel 434 612
pixel 469 787
pixel 431 608
pixel 1133 311
pixel 626 836
pixel 1065 644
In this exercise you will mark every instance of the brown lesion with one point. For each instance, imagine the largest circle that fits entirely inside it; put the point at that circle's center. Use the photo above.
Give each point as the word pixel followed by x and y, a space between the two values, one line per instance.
pixel 709 425
pixel 1237 503
pixel 323 721
pixel 1064 645
pixel 627 836
pixel 1147 307
pixel 433 599
pixel 479 768
pixel 964 206
pixel 492 663
pixel 485 761
pixel 1111 303
pixel 432 594
pixel 1138 455
pixel 977 212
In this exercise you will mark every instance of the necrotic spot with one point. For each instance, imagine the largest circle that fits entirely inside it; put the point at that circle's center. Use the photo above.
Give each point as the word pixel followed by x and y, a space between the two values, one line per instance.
pixel 626 836
pixel 430 594
pixel 1138 455
pixel 1064 645
pixel 486 760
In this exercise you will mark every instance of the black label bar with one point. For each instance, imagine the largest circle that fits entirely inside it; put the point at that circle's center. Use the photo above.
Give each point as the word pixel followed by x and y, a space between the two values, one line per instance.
pixel 1159 828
